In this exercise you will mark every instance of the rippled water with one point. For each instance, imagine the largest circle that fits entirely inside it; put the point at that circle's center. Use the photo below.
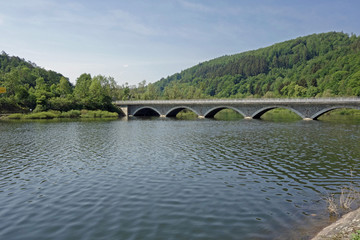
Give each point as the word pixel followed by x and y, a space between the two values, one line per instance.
pixel 169 179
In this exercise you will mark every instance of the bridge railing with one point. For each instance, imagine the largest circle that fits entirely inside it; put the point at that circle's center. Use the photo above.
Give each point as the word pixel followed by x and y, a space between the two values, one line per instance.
pixel 234 101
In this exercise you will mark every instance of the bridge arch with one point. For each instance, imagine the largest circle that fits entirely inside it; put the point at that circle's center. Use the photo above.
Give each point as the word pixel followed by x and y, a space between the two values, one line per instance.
pixel 322 112
pixel 212 112
pixel 175 110
pixel 147 111
pixel 260 112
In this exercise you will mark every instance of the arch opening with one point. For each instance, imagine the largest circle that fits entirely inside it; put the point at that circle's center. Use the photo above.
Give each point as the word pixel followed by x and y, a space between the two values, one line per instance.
pixel 224 113
pixel 182 112
pixel 146 112
pixel 278 114
pixel 338 114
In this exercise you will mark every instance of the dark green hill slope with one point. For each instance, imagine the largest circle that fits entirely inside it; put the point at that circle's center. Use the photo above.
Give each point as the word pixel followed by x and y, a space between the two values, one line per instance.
pixel 318 65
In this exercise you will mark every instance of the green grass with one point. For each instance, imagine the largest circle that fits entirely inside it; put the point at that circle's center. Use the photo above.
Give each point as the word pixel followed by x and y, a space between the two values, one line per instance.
pixel 356 236
pixel 98 114
pixel 70 114
pixel 15 116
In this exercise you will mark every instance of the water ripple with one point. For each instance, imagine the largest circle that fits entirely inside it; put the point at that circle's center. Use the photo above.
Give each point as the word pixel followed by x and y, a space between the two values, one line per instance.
pixel 163 179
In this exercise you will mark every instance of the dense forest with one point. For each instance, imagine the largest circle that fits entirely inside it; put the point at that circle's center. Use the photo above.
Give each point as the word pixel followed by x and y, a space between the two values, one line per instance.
pixel 319 65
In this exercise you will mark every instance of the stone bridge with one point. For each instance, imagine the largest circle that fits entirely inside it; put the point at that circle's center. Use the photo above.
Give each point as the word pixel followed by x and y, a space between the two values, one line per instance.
pixel 306 108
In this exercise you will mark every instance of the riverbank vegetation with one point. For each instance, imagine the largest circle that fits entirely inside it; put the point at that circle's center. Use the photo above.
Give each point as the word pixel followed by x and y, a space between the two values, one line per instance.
pixel 69 114
pixel 30 88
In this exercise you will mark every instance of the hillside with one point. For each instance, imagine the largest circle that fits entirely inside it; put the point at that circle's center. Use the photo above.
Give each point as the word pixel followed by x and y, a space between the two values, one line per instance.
pixel 32 88
pixel 318 65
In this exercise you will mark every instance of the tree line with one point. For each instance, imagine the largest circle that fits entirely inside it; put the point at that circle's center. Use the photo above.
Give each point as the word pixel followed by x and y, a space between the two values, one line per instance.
pixel 32 88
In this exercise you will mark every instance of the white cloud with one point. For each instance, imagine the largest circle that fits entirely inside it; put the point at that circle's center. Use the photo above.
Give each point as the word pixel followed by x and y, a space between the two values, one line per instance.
pixel 126 65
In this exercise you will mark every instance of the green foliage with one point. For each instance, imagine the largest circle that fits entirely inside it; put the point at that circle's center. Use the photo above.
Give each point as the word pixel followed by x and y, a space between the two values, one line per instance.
pixel 40 115
pixel 319 65
pixel 98 114
pixel 355 236
pixel 15 116
pixel 32 88
pixel 70 114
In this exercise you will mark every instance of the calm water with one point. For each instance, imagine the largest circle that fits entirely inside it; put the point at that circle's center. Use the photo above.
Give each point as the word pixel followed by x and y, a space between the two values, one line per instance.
pixel 172 179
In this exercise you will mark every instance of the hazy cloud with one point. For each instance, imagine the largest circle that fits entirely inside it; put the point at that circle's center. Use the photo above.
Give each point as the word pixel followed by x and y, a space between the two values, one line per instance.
pixel 129 22
pixel 195 6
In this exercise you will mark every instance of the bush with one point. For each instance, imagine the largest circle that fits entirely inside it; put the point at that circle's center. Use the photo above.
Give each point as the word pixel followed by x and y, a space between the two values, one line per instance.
pixel 40 115
pixel 98 114
pixel 15 116
pixel 106 114
pixel 39 108
pixel 71 114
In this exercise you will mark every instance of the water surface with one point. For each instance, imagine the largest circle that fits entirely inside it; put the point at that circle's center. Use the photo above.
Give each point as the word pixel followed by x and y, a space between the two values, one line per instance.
pixel 172 179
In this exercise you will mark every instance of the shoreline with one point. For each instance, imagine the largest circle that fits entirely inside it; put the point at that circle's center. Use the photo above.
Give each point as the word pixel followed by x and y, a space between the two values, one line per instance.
pixel 343 228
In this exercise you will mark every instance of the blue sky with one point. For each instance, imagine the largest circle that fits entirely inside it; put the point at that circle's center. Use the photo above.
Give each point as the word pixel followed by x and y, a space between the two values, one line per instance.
pixel 135 40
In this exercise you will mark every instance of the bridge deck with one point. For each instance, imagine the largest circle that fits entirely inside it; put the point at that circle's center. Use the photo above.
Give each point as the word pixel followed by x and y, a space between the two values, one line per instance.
pixel 239 101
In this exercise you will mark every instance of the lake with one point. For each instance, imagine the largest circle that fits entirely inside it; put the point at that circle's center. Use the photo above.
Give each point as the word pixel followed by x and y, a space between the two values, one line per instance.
pixel 172 179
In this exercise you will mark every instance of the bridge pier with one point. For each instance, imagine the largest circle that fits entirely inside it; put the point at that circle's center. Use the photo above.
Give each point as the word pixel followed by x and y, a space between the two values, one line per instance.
pixel 308 119
pixel 248 118
pixel 163 116
pixel 201 117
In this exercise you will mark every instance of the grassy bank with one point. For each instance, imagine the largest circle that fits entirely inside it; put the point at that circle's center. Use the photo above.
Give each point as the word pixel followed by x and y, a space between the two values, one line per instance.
pixel 58 114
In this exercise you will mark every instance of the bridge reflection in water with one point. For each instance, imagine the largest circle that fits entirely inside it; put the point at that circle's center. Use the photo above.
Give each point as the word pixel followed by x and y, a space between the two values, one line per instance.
pixel 306 108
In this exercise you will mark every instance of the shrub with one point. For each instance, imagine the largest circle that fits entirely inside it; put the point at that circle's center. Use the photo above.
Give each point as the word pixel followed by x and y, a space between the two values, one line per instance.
pixel 71 114
pixel 15 116
pixel 40 115
pixel 98 114
pixel 106 114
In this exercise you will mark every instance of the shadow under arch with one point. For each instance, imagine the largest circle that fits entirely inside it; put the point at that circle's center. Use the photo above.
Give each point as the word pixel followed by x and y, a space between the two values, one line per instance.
pixel 174 111
pixel 147 111
pixel 326 110
pixel 212 112
pixel 259 113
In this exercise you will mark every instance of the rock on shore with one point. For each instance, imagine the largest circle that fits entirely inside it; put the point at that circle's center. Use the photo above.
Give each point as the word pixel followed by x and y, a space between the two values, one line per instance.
pixel 342 228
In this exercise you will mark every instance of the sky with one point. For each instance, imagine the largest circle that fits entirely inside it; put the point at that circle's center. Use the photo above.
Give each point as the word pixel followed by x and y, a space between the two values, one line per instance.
pixel 136 40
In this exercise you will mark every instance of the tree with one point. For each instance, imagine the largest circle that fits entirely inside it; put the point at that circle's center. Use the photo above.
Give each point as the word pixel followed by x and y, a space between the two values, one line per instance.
pixel 65 87
pixel 83 83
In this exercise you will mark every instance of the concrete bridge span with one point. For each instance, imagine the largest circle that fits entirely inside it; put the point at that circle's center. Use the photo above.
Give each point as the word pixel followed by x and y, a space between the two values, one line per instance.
pixel 306 108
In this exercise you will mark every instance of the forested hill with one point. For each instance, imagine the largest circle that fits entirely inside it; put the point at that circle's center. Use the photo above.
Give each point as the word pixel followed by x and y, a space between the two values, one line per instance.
pixel 318 65
pixel 29 87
